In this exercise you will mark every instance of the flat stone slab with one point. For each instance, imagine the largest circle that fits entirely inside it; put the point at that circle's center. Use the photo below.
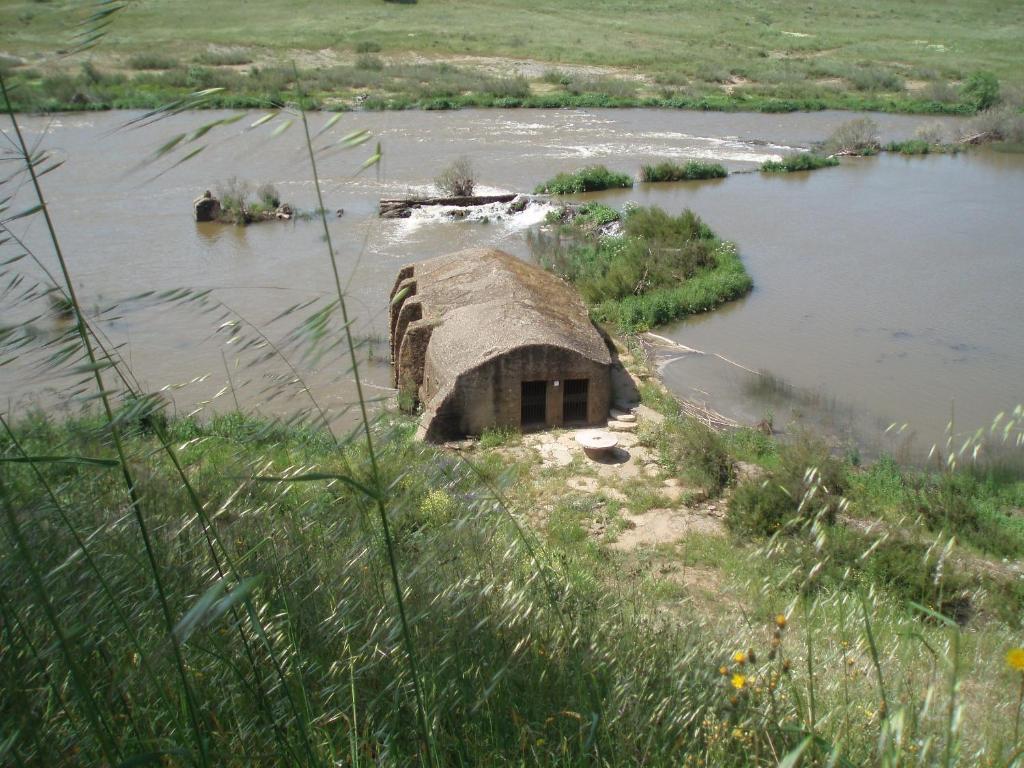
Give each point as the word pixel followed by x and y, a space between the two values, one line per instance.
pixel 664 526
pixel 618 415
pixel 554 454
pixel 616 425
pixel 649 414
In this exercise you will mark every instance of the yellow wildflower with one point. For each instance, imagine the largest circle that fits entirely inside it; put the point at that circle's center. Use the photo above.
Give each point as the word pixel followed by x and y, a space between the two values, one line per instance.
pixel 739 657
pixel 780 621
pixel 1015 659
pixel 739 681
pixel 723 670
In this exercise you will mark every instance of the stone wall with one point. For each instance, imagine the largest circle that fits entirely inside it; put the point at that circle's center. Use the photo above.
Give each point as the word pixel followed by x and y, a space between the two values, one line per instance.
pixel 409 366
pixel 490 394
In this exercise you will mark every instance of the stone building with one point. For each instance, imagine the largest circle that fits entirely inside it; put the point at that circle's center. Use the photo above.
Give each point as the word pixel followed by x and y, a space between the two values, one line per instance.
pixel 482 339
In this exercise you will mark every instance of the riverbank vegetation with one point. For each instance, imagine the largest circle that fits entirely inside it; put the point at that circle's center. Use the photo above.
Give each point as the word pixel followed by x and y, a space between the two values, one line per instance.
pixel 385 55
pixel 922 147
pixel 692 170
pixel 659 267
pixel 800 161
pixel 593 178
pixel 876 592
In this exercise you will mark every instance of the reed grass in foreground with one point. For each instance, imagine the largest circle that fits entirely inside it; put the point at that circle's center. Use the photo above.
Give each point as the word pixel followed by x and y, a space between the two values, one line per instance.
pixel 530 650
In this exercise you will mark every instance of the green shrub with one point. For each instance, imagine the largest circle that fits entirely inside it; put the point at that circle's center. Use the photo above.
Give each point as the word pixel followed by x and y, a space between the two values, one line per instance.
pixel 876 79
pixel 268 195
pixel 437 508
pixel 803 161
pixel 808 484
pixel 856 137
pixel 229 58
pixel 556 77
pixel 753 445
pixel 797 458
pixel 981 91
pixel 695 452
pixel 609 87
pixel 590 179
pixel 658 398
pixel 457 179
pixel 690 171
pixel 498 436
pixel 369 61
pixel 595 215
pixel 924 144
pixel 656 250
pixel 152 61
pixel 705 290
pixel 958 504
pixel 758 508
pixel 997 124
pixel 367 46
pixel 234 196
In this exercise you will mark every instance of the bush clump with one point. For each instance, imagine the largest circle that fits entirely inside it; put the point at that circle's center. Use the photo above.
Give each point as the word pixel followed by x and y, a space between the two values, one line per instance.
pixel 690 171
pixel 457 180
pixel 151 61
pixel 695 452
pixel 856 137
pixel 921 147
pixel 593 216
pixel 590 179
pixel 239 206
pixel 802 161
pixel 980 91
pixel 998 124
pixel 661 268
pixel 807 485
pixel 230 58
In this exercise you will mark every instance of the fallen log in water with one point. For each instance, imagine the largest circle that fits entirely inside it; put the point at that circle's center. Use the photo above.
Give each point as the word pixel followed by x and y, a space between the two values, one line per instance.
pixel 402 208
pixel 978 138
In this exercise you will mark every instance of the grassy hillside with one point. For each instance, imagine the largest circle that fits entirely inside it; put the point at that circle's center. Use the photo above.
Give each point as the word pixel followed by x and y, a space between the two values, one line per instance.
pixel 895 55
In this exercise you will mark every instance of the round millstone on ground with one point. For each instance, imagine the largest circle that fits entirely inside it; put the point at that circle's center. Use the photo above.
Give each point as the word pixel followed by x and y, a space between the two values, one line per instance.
pixel 596 443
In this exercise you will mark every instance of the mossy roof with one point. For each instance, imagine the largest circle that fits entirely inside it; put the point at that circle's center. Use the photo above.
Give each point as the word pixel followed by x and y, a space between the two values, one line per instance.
pixel 486 302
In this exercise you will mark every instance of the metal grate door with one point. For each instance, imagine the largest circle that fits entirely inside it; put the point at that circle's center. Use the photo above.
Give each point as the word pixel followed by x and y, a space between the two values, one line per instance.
pixel 574 400
pixel 534 403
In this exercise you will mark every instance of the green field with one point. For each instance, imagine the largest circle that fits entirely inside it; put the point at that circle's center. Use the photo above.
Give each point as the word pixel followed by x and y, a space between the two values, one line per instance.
pixel 901 56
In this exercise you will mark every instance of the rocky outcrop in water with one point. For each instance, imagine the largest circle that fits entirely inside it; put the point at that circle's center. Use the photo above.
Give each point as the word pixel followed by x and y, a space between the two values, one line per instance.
pixel 207 207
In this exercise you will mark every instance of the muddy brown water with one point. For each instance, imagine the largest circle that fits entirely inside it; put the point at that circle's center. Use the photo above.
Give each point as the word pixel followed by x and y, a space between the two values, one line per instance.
pixel 885 289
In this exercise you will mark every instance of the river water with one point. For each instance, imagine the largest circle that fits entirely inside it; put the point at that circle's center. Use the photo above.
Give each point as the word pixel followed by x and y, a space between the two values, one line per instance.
pixel 886 289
